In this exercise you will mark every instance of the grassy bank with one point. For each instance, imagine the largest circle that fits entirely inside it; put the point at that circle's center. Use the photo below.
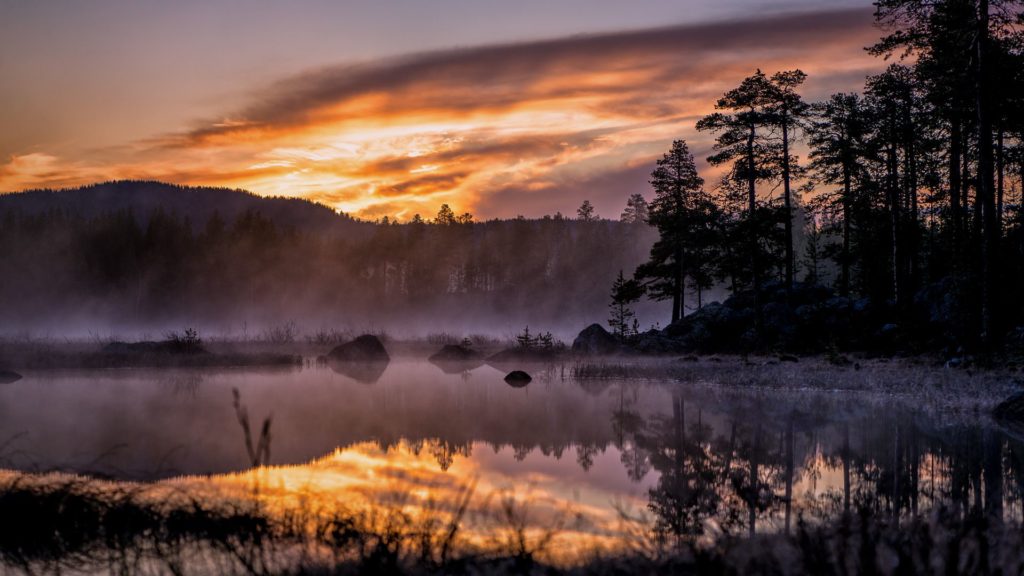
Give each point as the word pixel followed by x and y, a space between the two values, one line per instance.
pixel 57 524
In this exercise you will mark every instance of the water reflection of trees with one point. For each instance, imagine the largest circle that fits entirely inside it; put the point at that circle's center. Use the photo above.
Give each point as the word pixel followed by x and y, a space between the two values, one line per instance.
pixel 738 462
pixel 748 465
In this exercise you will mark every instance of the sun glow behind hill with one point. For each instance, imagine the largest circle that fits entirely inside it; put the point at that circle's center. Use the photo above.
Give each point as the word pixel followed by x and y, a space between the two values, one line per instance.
pixel 525 128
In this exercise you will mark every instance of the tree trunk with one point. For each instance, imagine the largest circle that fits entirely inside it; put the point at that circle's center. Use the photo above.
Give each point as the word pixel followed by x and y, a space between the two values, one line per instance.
pixel 986 196
pixel 755 273
pixel 1000 177
pixel 678 286
pixel 844 281
pixel 894 224
pixel 676 297
pixel 787 200
pixel 911 228
pixel 955 206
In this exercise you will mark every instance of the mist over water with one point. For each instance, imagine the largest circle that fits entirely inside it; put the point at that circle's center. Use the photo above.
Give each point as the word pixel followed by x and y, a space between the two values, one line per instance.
pixel 136 259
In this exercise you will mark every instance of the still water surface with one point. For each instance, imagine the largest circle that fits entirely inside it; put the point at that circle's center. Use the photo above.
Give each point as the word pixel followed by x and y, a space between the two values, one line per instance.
pixel 683 459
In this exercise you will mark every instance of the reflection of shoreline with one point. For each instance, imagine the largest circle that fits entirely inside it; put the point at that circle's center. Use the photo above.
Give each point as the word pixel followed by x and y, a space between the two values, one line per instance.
pixel 695 462
pixel 189 415
pixel 713 457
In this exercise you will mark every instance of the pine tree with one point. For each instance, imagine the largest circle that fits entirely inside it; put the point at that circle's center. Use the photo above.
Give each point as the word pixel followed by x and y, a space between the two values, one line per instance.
pixel 743 140
pixel 685 217
pixel 586 212
pixel 838 133
pixel 624 293
pixel 637 211
pixel 786 111
pixel 445 216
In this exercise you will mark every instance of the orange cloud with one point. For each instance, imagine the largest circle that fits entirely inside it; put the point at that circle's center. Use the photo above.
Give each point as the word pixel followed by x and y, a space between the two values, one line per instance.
pixel 497 130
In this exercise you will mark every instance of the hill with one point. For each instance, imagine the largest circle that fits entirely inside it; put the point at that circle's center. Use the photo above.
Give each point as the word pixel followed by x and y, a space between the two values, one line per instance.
pixel 197 204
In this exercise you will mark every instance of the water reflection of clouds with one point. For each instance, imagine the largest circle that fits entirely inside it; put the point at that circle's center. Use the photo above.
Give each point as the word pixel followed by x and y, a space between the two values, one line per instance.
pixel 365 479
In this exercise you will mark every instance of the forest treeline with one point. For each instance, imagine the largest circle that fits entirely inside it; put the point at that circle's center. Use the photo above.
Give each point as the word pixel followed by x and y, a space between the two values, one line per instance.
pixel 150 270
pixel 909 197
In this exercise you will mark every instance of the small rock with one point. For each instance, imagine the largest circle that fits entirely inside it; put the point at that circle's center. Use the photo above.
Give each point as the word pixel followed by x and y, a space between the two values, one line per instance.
pixel 518 379
pixel 788 358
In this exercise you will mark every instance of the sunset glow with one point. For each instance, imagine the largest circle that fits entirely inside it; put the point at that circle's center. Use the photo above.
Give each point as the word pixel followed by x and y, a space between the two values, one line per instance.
pixel 528 128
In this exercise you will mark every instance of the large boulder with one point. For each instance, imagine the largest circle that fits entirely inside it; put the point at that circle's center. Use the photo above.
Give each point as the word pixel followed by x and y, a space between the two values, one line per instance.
pixel 656 342
pixel 455 353
pixel 594 339
pixel 715 327
pixel 455 359
pixel 366 348
pixel 806 317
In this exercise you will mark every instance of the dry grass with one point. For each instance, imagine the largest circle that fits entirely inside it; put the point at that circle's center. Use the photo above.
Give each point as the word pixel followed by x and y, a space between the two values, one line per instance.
pixel 55 524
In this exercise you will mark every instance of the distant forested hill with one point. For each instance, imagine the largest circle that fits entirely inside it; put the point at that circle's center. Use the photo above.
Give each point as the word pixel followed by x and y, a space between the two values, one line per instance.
pixel 145 256
pixel 197 204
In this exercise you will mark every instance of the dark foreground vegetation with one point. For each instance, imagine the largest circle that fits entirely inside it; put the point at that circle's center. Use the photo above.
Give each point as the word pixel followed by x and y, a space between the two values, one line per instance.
pixel 75 525
pixel 811 319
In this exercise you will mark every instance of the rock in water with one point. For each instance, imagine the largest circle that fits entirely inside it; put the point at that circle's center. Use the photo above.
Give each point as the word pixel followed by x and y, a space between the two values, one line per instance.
pixel 7 376
pixel 517 379
pixel 455 353
pixel 366 348
pixel 455 359
pixel 594 339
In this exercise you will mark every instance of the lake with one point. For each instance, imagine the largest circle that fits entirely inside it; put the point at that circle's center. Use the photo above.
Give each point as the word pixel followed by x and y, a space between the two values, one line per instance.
pixel 596 460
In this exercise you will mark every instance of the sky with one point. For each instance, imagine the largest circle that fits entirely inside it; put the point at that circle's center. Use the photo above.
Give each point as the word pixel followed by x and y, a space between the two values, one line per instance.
pixel 393 107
